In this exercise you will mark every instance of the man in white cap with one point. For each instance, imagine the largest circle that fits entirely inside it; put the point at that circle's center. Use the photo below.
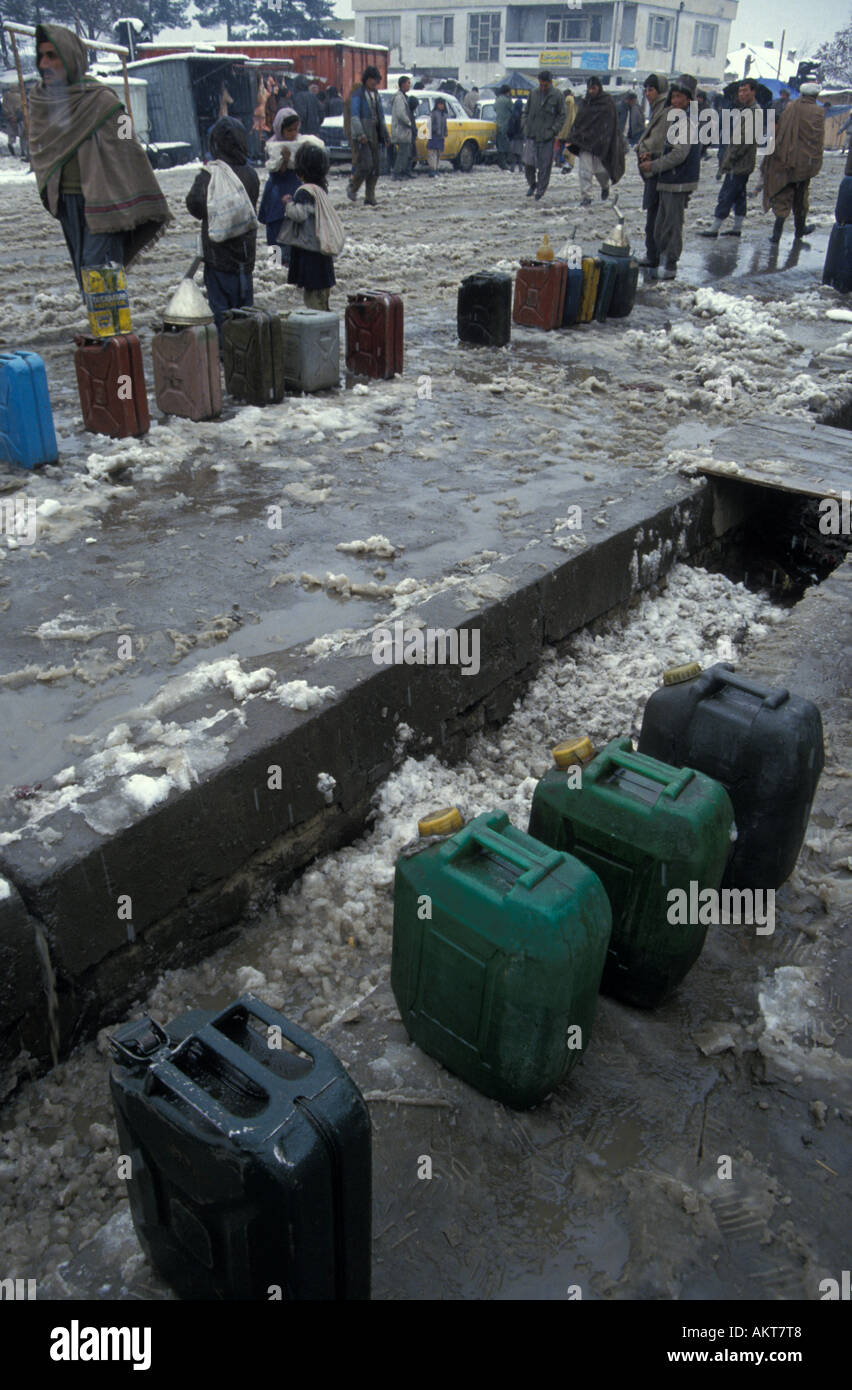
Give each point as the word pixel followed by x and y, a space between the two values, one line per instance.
pixel 795 160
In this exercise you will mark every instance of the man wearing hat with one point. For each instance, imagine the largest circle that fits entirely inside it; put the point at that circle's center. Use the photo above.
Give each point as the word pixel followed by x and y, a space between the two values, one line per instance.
pixel 631 119
pixel 543 120
pixel 677 169
pixel 596 138
pixel 738 163
pixel 653 142
pixel 796 158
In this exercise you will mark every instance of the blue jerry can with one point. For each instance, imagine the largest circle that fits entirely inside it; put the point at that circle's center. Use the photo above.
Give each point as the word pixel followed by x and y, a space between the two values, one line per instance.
pixel 27 436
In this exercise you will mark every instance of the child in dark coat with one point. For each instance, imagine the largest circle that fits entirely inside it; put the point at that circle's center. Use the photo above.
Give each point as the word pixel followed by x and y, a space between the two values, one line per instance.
pixel 282 179
pixel 228 265
pixel 309 268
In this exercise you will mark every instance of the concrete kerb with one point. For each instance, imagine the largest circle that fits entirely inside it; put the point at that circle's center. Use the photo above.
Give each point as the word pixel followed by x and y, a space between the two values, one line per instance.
pixel 193 865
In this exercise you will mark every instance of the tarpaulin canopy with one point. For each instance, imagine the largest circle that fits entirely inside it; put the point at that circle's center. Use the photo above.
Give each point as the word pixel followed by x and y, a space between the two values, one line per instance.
pixel 517 82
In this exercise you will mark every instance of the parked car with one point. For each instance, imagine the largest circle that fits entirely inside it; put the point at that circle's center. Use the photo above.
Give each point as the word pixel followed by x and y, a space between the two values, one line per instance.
pixel 484 111
pixel 467 139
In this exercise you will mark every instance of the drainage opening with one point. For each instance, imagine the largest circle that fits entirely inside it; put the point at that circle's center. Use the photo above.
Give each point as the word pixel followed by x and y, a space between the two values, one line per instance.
pixel 786 543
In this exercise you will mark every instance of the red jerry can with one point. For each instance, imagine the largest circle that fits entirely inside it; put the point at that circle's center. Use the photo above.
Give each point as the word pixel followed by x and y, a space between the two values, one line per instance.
pixel 187 379
pixel 111 382
pixel 540 294
pixel 374 329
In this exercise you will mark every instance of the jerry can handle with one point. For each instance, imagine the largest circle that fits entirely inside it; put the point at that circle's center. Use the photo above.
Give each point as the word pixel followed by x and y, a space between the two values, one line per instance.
pixel 175 1083
pixel 306 1043
pixel 638 763
pixel 725 674
pixel 535 866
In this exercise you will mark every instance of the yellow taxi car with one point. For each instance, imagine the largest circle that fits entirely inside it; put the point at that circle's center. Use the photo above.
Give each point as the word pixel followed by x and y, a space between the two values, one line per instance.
pixel 467 142
pixel 467 139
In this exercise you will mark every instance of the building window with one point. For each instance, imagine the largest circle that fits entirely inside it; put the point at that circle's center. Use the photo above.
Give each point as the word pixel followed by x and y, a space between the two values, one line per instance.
pixel 384 30
pixel 434 31
pixel 704 42
pixel 572 28
pixel 483 38
pixel 659 32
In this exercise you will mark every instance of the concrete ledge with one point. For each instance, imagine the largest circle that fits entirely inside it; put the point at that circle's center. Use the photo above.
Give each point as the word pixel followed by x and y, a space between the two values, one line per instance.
pixel 192 866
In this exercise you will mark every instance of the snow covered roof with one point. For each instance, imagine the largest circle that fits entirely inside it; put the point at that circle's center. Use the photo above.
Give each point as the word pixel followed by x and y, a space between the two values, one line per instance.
pixel 189 54
pixel 189 48
pixel 764 63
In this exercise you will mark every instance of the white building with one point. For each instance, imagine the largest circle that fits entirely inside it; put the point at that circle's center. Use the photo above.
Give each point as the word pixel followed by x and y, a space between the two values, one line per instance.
pixel 626 40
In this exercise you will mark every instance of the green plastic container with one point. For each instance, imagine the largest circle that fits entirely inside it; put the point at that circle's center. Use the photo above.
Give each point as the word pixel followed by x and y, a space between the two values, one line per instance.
pixel 645 828
pixel 498 949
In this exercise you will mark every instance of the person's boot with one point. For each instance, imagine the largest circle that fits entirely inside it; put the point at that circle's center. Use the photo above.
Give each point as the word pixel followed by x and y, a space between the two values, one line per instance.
pixel 585 202
pixel 778 229
pixel 604 193
pixel 667 273
pixel 737 229
pixel 712 230
pixel 351 192
pixel 803 230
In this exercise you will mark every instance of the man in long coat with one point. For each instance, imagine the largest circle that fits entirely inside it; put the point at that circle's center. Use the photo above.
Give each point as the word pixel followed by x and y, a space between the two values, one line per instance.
pixel 653 142
pixel 596 137
pixel 543 120
pixel 797 157
pixel 364 123
pixel 91 172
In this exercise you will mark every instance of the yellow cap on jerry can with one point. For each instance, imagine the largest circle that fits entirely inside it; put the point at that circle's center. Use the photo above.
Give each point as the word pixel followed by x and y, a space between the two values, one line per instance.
pixel 675 675
pixel 441 822
pixel 576 750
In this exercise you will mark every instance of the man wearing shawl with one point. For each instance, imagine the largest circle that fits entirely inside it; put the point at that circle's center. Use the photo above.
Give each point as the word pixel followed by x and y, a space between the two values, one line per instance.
pixel 92 174
pixel 596 138
pixel 797 157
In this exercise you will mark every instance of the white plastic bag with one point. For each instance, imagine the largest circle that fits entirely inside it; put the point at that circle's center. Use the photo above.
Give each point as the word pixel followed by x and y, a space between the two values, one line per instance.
pixel 330 234
pixel 229 210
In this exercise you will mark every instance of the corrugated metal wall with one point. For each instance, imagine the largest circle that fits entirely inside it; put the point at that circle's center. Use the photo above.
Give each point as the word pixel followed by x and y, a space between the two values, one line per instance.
pixel 171 109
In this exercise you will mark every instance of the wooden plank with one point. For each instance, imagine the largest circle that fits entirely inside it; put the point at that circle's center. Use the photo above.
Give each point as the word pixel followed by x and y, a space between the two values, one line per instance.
pixel 810 459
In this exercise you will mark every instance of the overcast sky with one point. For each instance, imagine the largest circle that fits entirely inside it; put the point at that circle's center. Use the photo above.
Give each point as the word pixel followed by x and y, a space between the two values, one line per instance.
pixel 807 24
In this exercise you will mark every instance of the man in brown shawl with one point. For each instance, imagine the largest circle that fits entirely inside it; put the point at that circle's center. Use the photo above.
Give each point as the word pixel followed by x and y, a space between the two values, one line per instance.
pixel 596 138
pixel 797 157
pixel 92 174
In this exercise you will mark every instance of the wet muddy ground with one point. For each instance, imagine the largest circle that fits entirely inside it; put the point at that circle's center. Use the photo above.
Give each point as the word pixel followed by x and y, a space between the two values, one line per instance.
pixel 613 1184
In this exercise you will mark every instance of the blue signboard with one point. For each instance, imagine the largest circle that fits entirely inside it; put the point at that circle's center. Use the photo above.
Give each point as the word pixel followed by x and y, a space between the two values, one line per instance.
pixel 595 61
pixel 628 58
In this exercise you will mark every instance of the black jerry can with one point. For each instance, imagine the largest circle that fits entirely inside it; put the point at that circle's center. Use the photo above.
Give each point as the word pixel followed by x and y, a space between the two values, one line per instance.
pixel 253 356
pixel 764 745
pixel 485 309
pixel 250 1152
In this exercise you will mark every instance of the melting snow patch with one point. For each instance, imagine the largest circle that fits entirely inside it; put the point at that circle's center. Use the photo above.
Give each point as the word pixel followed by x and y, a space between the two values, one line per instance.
pixel 145 792
pixel 299 695
pixel 373 545
pixel 325 786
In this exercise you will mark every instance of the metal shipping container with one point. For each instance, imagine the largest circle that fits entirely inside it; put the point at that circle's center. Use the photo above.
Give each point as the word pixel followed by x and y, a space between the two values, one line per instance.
pixel 187 93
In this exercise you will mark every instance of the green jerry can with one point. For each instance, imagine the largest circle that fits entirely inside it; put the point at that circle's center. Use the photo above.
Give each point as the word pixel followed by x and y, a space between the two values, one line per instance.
pixel 652 833
pixel 498 948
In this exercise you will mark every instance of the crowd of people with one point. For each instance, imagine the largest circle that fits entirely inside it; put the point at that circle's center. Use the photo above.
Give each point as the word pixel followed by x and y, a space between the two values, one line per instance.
pixel 110 206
